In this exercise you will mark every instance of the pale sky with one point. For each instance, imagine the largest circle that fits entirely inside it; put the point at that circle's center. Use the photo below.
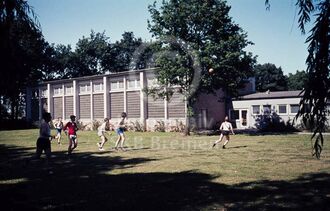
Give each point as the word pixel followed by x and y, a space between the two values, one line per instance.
pixel 275 33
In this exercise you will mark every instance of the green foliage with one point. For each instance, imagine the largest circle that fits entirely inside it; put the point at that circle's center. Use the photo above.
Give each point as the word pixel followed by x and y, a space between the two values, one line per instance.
pixel 195 36
pixel 297 81
pixel 269 77
pixel 88 55
pixel 274 123
pixel 178 127
pixel 316 92
pixel 21 49
pixel 160 126
pixel 136 126
pixel 96 124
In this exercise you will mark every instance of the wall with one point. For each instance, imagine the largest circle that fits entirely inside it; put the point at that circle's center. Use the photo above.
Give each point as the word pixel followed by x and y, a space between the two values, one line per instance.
pixel 247 104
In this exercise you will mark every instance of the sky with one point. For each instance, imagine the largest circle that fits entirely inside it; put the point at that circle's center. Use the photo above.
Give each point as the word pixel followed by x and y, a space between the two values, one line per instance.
pixel 274 32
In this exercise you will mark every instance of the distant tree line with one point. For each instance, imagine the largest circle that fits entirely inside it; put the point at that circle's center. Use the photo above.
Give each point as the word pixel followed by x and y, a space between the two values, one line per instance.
pixel 269 77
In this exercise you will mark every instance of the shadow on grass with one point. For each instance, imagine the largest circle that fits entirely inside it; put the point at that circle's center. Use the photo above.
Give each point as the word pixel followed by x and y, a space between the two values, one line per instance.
pixel 84 183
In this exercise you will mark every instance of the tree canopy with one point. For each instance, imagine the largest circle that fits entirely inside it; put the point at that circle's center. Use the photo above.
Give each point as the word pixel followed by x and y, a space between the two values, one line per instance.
pixel 317 90
pixel 21 44
pixel 195 36
pixel 269 77
pixel 297 81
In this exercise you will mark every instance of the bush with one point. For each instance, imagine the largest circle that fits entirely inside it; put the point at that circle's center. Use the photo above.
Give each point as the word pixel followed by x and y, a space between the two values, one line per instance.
pixel 96 124
pixel 160 126
pixel 179 127
pixel 136 126
pixel 273 123
pixel 81 125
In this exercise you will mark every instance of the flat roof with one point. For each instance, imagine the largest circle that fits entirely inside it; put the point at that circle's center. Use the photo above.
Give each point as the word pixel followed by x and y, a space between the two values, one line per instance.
pixel 113 74
pixel 272 95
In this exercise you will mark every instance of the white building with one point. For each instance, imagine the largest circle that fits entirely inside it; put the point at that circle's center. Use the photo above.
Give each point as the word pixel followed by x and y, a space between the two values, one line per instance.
pixel 247 108
pixel 93 98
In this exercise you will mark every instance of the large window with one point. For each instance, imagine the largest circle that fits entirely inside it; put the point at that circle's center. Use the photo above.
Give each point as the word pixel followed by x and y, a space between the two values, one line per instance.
pixel 68 90
pixel 98 87
pixel 84 88
pixel 256 109
pixel 58 91
pixel 131 84
pixel 116 85
pixel 282 109
pixel 294 108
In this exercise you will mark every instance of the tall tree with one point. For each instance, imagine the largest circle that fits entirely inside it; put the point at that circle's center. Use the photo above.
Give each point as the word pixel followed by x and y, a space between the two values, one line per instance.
pixel 88 56
pixel 21 49
pixel 119 56
pixel 196 36
pixel 297 81
pixel 317 91
pixel 269 77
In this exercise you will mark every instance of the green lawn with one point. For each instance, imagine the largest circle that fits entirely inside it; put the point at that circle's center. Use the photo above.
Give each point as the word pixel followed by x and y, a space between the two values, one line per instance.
pixel 166 171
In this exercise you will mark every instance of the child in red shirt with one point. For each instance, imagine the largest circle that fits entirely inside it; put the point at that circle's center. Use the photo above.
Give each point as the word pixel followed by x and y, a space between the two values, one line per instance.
pixel 70 129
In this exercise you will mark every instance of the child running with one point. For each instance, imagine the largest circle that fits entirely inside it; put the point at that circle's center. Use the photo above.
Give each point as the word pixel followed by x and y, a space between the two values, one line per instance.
pixel 58 127
pixel 43 142
pixel 120 132
pixel 101 130
pixel 225 129
pixel 72 128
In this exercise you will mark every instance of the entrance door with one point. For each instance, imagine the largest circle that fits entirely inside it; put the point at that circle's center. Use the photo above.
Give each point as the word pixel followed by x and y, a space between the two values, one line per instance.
pixel 243 114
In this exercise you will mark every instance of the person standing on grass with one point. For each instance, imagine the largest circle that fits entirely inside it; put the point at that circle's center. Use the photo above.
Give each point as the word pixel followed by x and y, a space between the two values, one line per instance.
pixel 58 127
pixel 45 137
pixel 120 132
pixel 101 130
pixel 225 128
pixel 70 129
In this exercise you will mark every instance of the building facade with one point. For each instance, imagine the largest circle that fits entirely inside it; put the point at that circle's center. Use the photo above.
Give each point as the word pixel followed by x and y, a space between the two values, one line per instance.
pixel 247 108
pixel 94 98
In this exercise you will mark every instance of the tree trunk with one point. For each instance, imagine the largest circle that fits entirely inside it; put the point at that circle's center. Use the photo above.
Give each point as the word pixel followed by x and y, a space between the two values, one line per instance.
pixel 187 117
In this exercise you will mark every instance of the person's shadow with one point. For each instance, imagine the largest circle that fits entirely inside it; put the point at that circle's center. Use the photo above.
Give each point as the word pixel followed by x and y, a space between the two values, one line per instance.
pixel 95 182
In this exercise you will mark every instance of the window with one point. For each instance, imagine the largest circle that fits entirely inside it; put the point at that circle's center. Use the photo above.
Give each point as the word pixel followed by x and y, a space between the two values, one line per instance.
pixel 58 91
pixel 121 85
pixel 294 108
pixel 267 109
pixel 131 84
pixel 98 87
pixel 69 90
pixel 114 85
pixel 83 88
pixel 255 109
pixel 282 109
pixel 234 114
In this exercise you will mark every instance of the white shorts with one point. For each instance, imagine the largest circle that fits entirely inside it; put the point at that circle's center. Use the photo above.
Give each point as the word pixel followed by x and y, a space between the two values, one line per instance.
pixel 73 137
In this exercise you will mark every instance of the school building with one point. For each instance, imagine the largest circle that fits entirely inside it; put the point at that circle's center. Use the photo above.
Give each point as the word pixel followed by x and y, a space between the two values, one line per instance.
pixel 93 98
pixel 246 109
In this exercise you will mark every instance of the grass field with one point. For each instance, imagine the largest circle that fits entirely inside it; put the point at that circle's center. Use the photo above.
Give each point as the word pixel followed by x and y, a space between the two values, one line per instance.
pixel 166 171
